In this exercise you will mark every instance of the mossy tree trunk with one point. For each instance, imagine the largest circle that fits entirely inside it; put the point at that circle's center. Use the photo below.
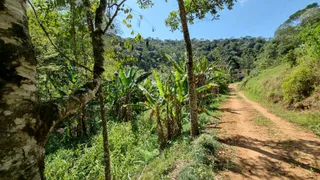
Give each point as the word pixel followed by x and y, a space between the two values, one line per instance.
pixel 26 124
pixel 21 152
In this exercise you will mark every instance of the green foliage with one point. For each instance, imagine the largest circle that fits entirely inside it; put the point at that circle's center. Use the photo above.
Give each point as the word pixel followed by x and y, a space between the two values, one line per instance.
pixel 153 53
pixel 205 146
pixel 61 33
pixel 198 10
pixel 204 152
pixel 291 58
pixel 266 87
pixel 297 15
pixel 161 166
pixel 159 84
pixel 129 154
pixel 298 85
pixel 195 171
pixel 296 43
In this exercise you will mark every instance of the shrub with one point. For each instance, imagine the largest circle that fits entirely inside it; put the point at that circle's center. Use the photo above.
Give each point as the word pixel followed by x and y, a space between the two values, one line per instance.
pixel 298 85
pixel 204 147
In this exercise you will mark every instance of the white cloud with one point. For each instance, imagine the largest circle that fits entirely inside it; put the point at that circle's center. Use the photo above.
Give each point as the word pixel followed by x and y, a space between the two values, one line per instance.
pixel 242 2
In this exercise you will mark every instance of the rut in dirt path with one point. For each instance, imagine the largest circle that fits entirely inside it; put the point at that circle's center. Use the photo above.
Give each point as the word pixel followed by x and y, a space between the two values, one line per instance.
pixel 286 152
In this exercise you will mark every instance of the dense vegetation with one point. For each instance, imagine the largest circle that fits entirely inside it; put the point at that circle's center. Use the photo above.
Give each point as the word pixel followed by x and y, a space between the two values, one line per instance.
pixel 70 84
pixel 234 52
pixel 98 106
pixel 287 69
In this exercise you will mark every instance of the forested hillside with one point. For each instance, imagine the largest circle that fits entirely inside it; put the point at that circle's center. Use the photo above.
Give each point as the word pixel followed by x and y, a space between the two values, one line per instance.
pixel 234 53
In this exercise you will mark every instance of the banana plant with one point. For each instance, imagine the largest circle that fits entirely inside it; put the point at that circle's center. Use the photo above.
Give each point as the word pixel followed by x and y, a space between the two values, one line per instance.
pixel 165 93
pixel 204 72
pixel 126 92
pixel 154 102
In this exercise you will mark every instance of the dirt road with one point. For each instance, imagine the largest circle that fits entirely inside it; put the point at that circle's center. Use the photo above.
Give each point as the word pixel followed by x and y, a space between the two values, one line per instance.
pixel 277 150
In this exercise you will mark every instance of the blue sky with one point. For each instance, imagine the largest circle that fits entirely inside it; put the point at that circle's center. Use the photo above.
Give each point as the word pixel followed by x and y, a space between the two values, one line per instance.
pixel 247 18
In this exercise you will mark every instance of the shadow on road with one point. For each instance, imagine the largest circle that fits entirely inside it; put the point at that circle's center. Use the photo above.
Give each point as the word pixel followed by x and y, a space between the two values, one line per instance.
pixel 283 151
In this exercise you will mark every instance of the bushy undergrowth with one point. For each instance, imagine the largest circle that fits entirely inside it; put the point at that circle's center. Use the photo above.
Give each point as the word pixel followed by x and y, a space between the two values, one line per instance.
pixel 134 154
pixel 299 84
pixel 290 86
pixel 129 153
pixel 203 155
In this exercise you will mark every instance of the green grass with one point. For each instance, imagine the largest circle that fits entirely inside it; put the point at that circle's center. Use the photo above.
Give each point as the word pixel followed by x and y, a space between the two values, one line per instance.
pixel 265 122
pixel 196 156
pixel 308 120
pixel 136 155
pixel 161 166
pixel 265 88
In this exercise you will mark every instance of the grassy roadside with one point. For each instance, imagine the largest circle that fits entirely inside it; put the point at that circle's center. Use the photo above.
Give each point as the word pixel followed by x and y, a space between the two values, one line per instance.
pixel 306 119
pixel 136 155
pixel 186 159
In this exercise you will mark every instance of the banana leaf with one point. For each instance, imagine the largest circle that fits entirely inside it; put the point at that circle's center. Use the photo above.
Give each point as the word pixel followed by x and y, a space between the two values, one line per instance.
pixel 159 84
pixel 123 78
pixel 175 64
pixel 142 77
pixel 148 95
pixel 204 87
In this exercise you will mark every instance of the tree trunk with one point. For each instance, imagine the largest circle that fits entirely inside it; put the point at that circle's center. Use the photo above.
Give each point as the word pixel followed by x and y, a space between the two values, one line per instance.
pixel 105 137
pixel 73 29
pixel 98 53
pixel 21 154
pixel 73 34
pixel 191 81
pixel 24 124
pixel 79 128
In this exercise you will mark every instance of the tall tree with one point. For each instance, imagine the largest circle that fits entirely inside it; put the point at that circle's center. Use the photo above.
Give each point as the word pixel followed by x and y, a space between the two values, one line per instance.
pixel 20 152
pixel 191 82
pixel 25 123
pixel 195 9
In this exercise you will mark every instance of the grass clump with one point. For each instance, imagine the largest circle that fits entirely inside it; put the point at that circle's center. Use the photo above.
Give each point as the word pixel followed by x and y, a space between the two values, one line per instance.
pixel 203 156
pixel 129 154
pixel 263 121
pixel 195 171
pixel 205 147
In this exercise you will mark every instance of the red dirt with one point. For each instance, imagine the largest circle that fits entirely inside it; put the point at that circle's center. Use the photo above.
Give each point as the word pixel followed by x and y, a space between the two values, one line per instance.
pixel 288 152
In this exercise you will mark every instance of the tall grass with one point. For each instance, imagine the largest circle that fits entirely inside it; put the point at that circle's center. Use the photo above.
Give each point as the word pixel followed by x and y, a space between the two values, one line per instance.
pixel 135 154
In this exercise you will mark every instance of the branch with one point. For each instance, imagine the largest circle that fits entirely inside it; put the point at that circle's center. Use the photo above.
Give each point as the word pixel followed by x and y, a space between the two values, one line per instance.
pixel 114 15
pixel 52 112
pixel 89 16
pixel 51 41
